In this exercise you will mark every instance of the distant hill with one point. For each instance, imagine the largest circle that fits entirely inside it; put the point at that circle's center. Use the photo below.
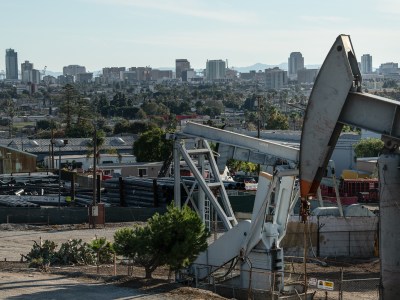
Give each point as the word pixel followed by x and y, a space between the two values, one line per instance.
pixel 259 67
pixel 55 74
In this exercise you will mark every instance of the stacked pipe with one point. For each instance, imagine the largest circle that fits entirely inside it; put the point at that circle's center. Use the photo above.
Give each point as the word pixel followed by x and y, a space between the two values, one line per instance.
pixel 138 191
pixel 15 201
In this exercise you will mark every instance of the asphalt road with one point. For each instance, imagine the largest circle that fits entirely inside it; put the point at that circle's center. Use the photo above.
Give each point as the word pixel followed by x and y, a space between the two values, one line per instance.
pixel 39 286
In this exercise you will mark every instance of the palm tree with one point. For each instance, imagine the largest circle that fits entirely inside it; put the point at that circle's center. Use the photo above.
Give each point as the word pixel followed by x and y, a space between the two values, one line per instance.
pixel 98 144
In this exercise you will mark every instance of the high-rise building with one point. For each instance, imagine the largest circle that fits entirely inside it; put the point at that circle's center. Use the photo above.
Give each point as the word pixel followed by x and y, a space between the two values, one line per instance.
pixel 11 64
pixel 26 71
pixel 307 75
pixel 366 64
pixel 180 66
pixel 215 69
pixel 160 74
pixel 389 68
pixel 275 78
pixel 84 77
pixel 295 63
pixel 188 75
pixel 73 70
pixel 113 74
pixel 65 79
pixel 35 76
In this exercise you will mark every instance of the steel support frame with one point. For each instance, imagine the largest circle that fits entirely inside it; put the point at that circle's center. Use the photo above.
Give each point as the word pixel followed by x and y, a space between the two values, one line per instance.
pixel 204 152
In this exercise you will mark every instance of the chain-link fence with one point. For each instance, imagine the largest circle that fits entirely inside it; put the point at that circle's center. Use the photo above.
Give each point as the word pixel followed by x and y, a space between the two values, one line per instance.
pixel 232 281
pixel 327 285
pixel 364 288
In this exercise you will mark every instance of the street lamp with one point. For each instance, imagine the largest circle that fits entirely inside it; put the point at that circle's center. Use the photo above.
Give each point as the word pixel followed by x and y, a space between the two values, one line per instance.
pixel 60 144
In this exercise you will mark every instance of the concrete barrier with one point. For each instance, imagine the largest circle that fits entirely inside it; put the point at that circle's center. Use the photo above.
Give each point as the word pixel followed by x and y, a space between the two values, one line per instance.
pixel 72 215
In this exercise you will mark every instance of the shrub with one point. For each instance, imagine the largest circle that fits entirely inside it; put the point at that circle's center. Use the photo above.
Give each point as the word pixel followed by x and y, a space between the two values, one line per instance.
pixel 172 239
pixel 41 256
pixel 370 147
pixel 76 252
pixel 104 250
pixel 123 242
pixel 73 252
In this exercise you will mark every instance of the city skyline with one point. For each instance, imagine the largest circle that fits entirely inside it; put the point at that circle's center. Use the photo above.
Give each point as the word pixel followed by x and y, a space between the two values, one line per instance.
pixel 116 33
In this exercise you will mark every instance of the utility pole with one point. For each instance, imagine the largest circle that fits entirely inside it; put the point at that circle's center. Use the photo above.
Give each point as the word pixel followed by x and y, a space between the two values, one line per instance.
pixel 259 115
pixel 94 164
pixel 94 173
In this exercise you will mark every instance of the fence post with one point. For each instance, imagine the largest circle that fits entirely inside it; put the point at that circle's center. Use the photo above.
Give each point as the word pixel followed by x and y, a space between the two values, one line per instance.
pixel 115 264
pixel 318 229
pixel 340 284
pixel 349 243
pixel 121 192
pixel 155 193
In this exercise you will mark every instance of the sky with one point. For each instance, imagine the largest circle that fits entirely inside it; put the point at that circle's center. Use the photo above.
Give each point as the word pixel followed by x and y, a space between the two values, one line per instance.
pixel 128 33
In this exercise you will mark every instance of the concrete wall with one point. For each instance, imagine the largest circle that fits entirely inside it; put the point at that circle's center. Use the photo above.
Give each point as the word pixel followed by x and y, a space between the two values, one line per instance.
pixel 351 236
pixel 72 215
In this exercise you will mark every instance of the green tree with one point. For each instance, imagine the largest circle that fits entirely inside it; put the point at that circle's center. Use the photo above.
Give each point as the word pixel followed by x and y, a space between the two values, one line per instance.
pixel 9 107
pixel 138 127
pixel 68 107
pixel 103 105
pixel 45 125
pixel 104 250
pixel 152 146
pixel 370 147
pixel 276 120
pixel 239 165
pixel 83 129
pixel 100 140
pixel 173 239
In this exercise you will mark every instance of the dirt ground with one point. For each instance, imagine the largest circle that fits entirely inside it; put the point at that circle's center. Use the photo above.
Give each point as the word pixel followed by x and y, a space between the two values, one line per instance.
pixel 18 239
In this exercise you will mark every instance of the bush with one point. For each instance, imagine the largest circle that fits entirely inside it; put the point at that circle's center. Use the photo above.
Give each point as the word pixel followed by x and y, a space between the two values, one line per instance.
pixel 370 147
pixel 123 242
pixel 42 256
pixel 104 250
pixel 76 252
pixel 73 252
pixel 172 239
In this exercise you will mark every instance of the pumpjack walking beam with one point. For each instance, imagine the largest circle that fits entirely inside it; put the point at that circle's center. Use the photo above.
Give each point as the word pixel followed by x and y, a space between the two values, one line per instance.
pixel 335 100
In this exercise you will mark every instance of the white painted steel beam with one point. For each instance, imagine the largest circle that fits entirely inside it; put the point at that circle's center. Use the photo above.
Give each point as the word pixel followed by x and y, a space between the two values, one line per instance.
pixel 338 75
pixel 371 112
pixel 242 141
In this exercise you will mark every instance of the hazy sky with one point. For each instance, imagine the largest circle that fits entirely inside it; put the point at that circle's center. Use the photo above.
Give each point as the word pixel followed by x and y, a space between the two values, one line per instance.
pixel 126 33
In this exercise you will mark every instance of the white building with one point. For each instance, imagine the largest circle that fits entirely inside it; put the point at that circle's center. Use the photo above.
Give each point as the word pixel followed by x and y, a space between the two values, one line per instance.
pixel 275 78
pixel 84 162
pixel 215 69
pixel 366 64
